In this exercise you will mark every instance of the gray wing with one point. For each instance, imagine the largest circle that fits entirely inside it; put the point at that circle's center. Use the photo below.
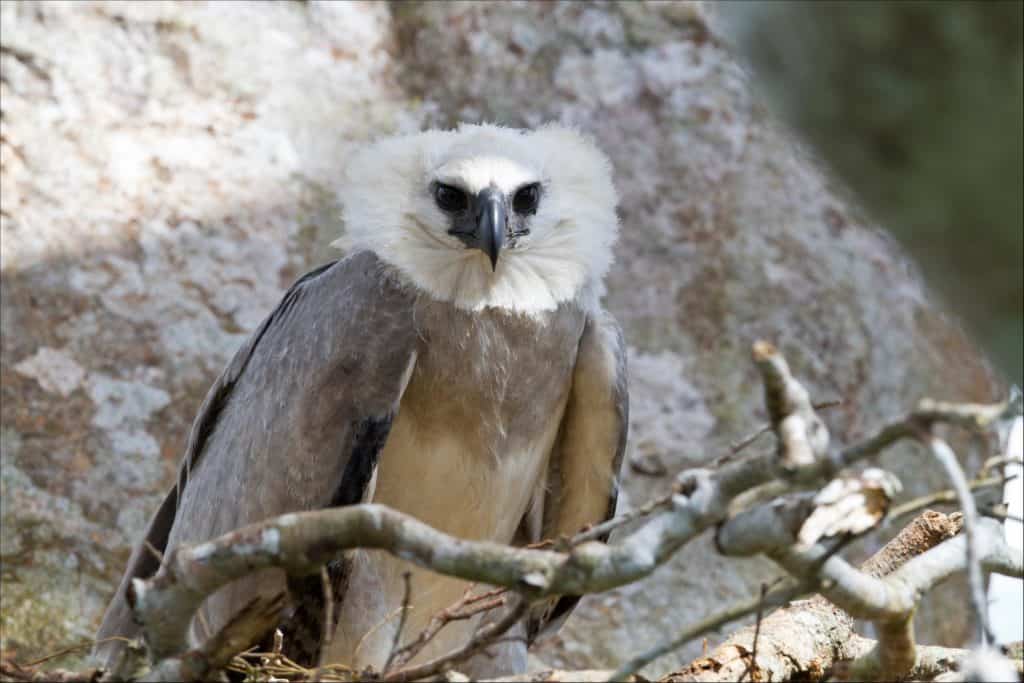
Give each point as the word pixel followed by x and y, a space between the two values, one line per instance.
pixel 582 486
pixel 295 422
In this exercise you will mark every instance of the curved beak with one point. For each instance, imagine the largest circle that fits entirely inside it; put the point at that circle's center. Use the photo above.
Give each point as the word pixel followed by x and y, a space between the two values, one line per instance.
pixel 491 223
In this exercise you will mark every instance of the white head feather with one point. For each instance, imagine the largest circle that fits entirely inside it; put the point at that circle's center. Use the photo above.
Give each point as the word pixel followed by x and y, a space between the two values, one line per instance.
pixel 388 208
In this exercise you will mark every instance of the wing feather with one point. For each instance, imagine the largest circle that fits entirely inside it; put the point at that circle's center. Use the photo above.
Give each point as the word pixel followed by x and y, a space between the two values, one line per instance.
pixel 295 422
pixel 585 464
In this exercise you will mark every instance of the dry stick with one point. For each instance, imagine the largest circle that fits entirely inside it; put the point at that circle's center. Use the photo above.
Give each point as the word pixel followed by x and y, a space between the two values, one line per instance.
pixel 940 497
pixel 895 596
pixel 69 650
pixel 890 602
pixel 773 529
pixel 16 671
pixel 740 444
pixel 1002 516
pixel 975 579
pixel 780 596
pixel 246 626
pixel 12 671
pixel 999 460
pixel 278 665
pixel 601 530
pixel 598 531
pixel 483 638
pixel 327 628
pixel 466 608
pixel 204 626
pixel 896 645
pixel 829 631
pixel 406 595
pixel 802 437
pixel 757 632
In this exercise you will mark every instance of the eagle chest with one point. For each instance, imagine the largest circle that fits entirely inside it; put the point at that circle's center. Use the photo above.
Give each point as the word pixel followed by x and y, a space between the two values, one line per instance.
pixel 466 453
pixel 478 418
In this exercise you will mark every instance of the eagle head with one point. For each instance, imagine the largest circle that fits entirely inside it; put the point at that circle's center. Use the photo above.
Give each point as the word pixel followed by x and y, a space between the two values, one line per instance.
pixel 485 216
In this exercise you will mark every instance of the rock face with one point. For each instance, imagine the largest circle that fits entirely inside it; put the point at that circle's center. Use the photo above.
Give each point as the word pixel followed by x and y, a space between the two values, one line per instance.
pixel 168 170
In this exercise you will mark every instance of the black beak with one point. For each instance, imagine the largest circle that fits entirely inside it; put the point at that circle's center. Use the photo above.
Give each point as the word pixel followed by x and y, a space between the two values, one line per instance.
pixel 491 223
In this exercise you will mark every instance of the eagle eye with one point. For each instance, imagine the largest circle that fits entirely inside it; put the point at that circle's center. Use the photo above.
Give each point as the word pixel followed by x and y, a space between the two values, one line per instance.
pixel 449 198
pixel 526 199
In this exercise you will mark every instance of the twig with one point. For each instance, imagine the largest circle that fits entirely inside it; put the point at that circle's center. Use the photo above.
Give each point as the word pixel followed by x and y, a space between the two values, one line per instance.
pixel 484 637
pixel 790 591
pixel 975 579
pixel 26 672
pixel 277 665
pixel 153 550
pixel 72 648
pixel 895 597
pixel 1002 515
pixel 969 415
pixel 939 497
pixel 868 597
pixel 380 624
pixel 752 668
pixel 973 416
pixel 406 596
pixel 466 608
pixel 327 628
pixel 740 444
pixel 12 671
pixel 246 627
pixel 830 631
pixel 998 461
pixel 774 529
pixel 802 436
pixel 601 530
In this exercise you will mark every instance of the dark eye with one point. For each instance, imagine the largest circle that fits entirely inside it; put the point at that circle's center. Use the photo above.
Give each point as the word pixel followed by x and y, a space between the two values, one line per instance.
pixel 450 198
pixel 526 199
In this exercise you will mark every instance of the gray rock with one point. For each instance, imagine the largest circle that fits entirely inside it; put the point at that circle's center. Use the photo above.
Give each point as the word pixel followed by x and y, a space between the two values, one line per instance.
pixel 168 170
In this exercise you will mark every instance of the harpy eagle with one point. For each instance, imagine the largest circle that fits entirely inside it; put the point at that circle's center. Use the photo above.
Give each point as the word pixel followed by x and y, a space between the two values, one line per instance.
pixel 457 366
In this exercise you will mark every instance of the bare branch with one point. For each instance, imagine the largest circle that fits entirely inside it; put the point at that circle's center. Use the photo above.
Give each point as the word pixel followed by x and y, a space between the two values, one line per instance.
pixel 752 667
pixel 407 579
pixel 896 596
pixel 779 596
pixel 466 608
pixel 802 435
pixel 557 676
pixel 485 636
pixel 890 602
pixel 809 637
pixel 12 671
pixel 327 629
pixel 923 533
pixel 250 624
pixel 599 531
pixel 940 497
pixel 740 444
pixel 973 416
pixel 976 582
